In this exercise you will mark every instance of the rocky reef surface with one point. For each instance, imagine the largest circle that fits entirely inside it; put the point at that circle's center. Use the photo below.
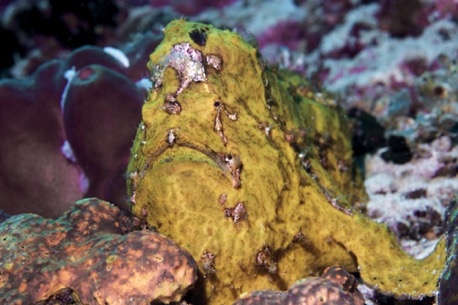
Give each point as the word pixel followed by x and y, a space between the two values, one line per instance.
pixel 335 286
pixel 92 251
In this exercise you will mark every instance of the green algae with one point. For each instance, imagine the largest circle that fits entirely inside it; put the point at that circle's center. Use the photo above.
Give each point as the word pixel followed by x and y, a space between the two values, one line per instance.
pixel 247 165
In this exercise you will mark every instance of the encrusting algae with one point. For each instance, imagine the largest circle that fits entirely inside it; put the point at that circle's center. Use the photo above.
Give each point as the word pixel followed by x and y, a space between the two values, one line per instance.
pixel 251 172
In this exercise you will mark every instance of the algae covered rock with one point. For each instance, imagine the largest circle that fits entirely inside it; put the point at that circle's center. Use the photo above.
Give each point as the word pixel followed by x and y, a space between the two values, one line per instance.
pixel 251 172
pixel 448 282
pixel 89 256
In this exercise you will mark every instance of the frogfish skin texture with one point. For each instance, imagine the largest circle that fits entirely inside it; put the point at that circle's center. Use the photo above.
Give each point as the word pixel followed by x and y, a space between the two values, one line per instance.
pixel 251 171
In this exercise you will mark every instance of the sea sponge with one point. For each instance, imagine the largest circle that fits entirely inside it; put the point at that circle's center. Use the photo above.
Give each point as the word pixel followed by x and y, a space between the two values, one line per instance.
pixel 251 171
pixel 89 256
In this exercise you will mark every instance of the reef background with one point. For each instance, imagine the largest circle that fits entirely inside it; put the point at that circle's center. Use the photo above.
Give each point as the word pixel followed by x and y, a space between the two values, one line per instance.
pixel 66 128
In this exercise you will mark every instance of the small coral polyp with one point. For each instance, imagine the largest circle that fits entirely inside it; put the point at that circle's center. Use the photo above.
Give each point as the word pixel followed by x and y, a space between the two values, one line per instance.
pixel 280 156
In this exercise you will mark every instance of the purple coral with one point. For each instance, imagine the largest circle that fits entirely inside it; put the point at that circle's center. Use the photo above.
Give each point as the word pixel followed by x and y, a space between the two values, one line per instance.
pixel 101 110
pixel 52 156
pixel 36 177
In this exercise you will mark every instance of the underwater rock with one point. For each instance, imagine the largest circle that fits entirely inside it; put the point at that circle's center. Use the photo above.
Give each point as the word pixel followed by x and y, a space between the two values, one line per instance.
pixel 398 150
pixel 248 136
pixel 448 294
pixel 335 287
pixel 191 7
pixel 368 133
pixel 449 279
pixel 91 254
pixel 46 31
pixel 411 198
pixel 65 296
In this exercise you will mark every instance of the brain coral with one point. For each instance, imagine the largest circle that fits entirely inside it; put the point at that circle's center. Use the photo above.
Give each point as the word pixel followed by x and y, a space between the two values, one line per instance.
pixel 88 255
pixel 249 170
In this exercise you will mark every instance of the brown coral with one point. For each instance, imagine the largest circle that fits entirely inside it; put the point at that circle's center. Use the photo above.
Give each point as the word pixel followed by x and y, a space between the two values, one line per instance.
pixel 90 253
pixel 335 287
